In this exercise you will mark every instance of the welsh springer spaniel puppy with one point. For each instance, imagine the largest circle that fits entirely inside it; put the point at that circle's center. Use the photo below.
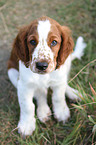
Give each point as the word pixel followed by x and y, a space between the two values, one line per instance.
pixel 41 58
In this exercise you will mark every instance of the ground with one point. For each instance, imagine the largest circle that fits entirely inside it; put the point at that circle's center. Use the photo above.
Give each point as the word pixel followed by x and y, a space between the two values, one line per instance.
pixel 80 16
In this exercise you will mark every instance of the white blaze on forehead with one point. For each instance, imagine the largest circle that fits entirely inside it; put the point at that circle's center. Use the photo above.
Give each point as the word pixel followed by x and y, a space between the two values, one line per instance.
pixel 43 29
pixel 42 50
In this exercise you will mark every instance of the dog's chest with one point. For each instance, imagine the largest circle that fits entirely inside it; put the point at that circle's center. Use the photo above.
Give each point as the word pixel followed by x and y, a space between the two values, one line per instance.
pixel 38 80
pixel 29 78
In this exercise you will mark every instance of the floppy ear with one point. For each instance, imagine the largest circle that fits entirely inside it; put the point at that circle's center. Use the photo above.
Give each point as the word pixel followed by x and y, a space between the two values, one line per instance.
pixel 20 45
pixel 66 45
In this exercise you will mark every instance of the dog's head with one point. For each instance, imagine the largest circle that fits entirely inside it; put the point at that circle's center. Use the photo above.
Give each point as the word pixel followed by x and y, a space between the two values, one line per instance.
pixel 43 45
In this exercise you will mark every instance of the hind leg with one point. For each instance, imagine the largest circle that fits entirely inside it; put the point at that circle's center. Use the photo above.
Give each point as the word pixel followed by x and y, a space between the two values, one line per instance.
pixel 72 94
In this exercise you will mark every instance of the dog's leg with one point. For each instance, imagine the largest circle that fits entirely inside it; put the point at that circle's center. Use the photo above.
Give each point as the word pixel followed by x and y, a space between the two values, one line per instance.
pixel 60 108
pixel 26 124
pixel 13 75
pixel 72 93
pixel 43 110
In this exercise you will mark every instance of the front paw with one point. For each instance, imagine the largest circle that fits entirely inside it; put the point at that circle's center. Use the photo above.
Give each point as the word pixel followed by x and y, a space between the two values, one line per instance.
pixel 43 113
pixel 26 128
pixel 62 113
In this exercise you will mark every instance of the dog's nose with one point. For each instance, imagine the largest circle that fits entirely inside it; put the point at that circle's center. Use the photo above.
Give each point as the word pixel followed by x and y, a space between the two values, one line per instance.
pixel 41 65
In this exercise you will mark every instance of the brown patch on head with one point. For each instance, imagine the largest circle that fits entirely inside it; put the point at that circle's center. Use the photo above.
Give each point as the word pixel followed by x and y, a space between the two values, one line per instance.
pixel 22 49
pixel 54 35
pixel 67 45
pixel 27 39
pixel 64 47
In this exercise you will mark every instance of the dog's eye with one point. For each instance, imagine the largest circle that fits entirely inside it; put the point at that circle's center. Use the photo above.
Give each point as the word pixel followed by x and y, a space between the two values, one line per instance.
pixel 33 42
pixel 54 43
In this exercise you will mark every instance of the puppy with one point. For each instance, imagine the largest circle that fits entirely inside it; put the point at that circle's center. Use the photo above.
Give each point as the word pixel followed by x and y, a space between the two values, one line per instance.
pixel 41 58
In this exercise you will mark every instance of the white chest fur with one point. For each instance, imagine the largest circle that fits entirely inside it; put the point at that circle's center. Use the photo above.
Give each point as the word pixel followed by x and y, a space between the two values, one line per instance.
pixel 44 80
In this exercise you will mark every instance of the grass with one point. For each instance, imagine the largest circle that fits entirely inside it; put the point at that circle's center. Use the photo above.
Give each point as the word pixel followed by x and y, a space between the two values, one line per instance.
pixel 80 16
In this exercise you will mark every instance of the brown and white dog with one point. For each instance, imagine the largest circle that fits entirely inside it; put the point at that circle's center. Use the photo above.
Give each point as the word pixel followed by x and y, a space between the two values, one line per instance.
pixel 41 58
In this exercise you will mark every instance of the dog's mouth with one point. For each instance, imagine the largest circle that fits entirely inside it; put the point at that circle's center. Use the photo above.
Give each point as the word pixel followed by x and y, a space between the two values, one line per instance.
pixel 42 67
pixel 41 72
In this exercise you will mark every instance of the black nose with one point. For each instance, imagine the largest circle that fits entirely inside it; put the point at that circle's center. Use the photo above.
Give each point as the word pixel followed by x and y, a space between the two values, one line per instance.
pixel 41 65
